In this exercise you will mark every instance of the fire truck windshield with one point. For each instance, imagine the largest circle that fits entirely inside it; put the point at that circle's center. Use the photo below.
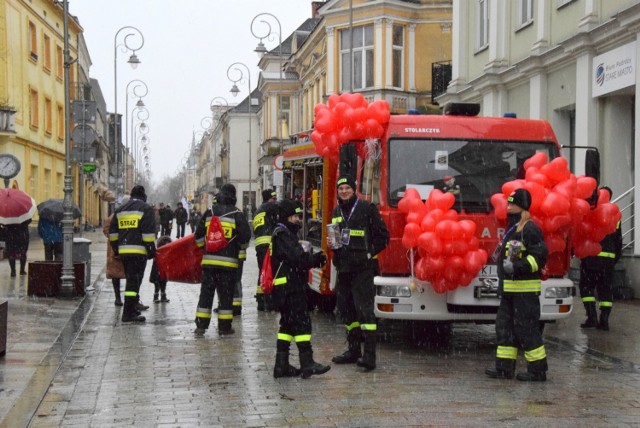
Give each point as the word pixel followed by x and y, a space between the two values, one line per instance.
pixel 472 170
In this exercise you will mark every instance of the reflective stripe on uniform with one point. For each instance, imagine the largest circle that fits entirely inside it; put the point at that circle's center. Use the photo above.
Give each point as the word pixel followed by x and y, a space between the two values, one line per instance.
pixel 303 338
pixel 353 325
pixel 237 302
pixel 605 304
pixel 588 299
pixel 336 219
pixel 242 255
pixel 203 313
pixel 507 352
pixel 522 286
pixel 113 236
pixel 368 327
pixel 225 314
pixel 148 237
pixel 130 294
pixel 535 354
pixel 607 255
pixel 285 337
pixel 534 264
pixel 200 242
pixel 258 220
pixel 280 281
pixel 215 260
pixel 129 219
pixel 356 232
pixel 132 249
pixel 263 240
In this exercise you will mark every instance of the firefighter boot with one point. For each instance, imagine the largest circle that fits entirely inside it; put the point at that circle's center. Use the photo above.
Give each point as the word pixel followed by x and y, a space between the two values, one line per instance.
pixel 603 324
pixel 283 368
pixel 309 367
pixel 592 315
pixel 129 313
pixel 351 355
pixel 368 360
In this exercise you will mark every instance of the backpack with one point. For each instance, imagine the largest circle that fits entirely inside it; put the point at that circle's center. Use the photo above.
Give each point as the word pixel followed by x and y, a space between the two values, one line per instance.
pixel 266 273
pixel 215 239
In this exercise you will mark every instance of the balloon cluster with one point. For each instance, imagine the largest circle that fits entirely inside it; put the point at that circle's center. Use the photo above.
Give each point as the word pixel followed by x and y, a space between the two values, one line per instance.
pixel 559 206
pixel 448 247
pixel 347 117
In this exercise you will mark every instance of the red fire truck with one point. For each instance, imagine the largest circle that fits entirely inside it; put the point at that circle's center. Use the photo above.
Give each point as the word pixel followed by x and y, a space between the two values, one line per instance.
pixel 426 152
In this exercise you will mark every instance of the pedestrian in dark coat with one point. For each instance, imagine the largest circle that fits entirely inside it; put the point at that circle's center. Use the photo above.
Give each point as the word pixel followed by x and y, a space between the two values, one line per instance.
pixel 160 290
pixel 596 279
pixel 363 236
pixel 522 256
pixel 290 264
pixel 263 223
pixel 51 234
pixel 181 216
pixel 219 269
pixel 17 245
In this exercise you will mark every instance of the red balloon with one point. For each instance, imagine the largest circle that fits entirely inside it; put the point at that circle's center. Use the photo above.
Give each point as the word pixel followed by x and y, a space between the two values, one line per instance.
pixel 468 229
pixel 567 188
pixel 585 187
pixel 557 170
pixel 510 186
pixel 333 100
pixel 410 236
pixel 354 100
pixel 428 224
pixel 535 176
pixel 319 107
pixel 579 208
pixel 436 214
pixel 421 270
pixel 555 204
pixel 451 215
pixel 373 129
pixel 499 203
pixel 430 242
pixel 603 197
pixel 465 278
pixel 379 111
pixel 607 215
pixel 414 217
pixel 538 193
pixel 474 244
pixel 587 248
pixel 444 229
pixel 453 268
pixel 537 160
pixel 473 262
pixel 555 243
pixel 439 200
pixel 439 285
pixel 436 264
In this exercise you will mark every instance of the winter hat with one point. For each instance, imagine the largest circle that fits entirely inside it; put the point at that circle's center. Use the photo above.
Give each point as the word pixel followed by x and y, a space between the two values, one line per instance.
pixel 267 194
pixel 287 208
pixel 229 189
pixel 346 179
pixel 520 198
pixel 138 192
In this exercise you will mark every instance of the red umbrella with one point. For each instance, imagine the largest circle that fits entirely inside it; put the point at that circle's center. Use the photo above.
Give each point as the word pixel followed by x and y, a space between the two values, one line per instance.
pixel 15 206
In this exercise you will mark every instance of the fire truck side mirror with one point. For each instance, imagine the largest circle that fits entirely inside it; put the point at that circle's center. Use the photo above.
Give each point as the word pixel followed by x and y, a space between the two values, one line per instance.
pixel 348 160
pixel 592 164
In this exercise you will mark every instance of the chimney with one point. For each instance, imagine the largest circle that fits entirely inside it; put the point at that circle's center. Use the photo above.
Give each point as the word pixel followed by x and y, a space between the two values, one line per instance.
pixel 315 5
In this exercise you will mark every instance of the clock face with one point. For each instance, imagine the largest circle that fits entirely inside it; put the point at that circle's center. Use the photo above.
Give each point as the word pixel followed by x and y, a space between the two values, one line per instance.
pixel 9 166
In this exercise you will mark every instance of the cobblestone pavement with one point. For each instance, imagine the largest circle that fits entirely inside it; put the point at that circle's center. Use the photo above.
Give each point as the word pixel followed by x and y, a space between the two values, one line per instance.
pixel 159 374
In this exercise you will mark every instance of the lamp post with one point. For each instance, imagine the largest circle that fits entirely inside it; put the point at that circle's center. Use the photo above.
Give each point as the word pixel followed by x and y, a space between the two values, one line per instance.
pixel 142 114
pixel 234 91
pixel 139 90
pixel 67 287
pixel 134 61
pixel 139 135
pixel 261 50
pixel 215 105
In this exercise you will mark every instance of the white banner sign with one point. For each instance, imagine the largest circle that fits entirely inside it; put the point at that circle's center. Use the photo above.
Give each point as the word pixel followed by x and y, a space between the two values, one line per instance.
pixel 614 70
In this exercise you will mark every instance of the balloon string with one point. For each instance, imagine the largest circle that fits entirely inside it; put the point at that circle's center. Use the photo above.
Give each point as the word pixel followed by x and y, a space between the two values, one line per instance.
pixel 411 261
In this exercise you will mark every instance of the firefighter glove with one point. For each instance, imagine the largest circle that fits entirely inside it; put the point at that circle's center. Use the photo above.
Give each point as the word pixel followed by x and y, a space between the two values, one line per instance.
pixel 507 266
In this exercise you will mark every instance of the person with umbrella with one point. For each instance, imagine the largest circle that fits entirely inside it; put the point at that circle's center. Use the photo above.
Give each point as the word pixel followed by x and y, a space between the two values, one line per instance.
pixel 16 210
pixel 51 234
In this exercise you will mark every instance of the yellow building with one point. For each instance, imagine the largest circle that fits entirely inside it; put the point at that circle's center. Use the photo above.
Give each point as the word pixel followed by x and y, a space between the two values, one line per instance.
pixel 32 87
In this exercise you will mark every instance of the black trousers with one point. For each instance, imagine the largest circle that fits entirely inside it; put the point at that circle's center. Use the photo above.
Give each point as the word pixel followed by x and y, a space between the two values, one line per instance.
pixel 592 282
pixel 355 294
pixel 224 281
pixel 180 229
pixel 134 267
pixel 294 317
pixel 518 326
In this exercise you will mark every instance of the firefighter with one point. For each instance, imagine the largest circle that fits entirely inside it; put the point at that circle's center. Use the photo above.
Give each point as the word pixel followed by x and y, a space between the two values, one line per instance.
pixel 263 224
pixel 219 269
pixel 132 234
pixel 522 256
pixel 363 235
pixel 290 264
pixel 596 276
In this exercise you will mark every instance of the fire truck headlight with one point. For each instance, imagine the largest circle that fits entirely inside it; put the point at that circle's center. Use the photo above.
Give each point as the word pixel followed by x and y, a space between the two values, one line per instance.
pixel 557 292
pixel 394 291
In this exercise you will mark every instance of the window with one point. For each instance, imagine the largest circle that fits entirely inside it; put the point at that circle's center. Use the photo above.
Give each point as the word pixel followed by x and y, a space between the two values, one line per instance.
pixel 362 58
pixel 33 180
pixel 47 52
pixel 525 12
pixel 33 41
pixel 285 114
pixel 482 35
pixel 60 121
pixel 59 62
pixel 397 56
pixel 34 115
pixel 48 116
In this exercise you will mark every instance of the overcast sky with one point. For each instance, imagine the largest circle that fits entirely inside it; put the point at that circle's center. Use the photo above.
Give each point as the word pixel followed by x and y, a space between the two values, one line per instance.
pixel 188 47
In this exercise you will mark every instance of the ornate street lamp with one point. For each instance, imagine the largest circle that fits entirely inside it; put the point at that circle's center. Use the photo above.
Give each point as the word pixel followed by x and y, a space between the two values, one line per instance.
pixel 235 91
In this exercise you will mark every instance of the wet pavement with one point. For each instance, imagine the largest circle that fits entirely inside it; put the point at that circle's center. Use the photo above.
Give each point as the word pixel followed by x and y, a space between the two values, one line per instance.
pixel 73 363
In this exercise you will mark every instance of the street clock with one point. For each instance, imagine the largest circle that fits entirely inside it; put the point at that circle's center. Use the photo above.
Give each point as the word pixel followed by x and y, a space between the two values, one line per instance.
pixel 9 167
